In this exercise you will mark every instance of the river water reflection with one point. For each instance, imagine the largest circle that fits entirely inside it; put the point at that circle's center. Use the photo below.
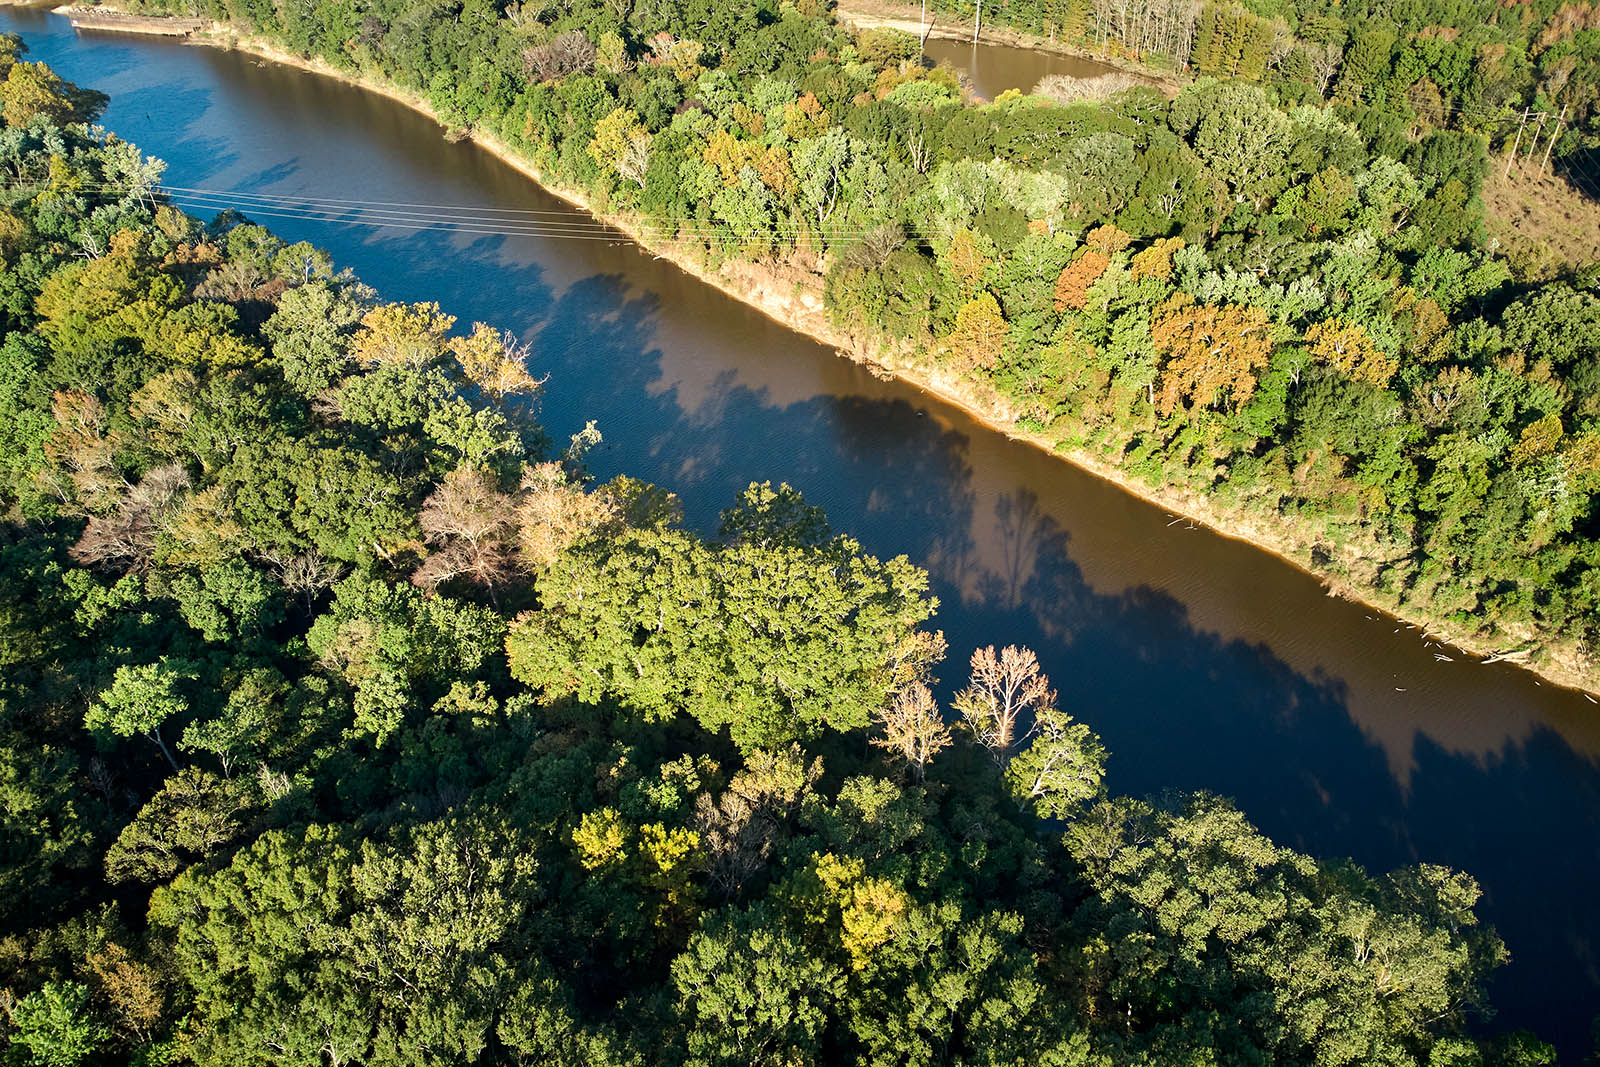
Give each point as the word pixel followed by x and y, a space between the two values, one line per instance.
pixel 1203 663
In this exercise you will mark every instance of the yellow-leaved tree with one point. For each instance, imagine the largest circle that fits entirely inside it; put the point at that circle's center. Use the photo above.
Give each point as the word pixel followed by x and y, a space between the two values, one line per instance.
pixel 408 335
pixel 1212 352
pixel 495 361
pixel 621 145
pixel 979 336
pixel 1348 347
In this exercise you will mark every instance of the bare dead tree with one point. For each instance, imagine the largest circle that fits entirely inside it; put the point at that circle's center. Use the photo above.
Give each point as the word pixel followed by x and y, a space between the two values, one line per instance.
pixel 741 827
pixel 80 453
pixel 126 538
pixel 468 525
pixel 565 54
pixel 1067 89
pixel 634 163
pixel 1324 57
pixel 913 729
pixel 235 280
pixel 917 150
pixel 305 575
pixel 1004 687
pixel 521 16
pixel 1143 26
pixel 1438 400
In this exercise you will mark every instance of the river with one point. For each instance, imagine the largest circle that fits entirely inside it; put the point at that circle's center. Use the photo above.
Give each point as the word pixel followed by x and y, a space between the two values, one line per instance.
pixel 1202 662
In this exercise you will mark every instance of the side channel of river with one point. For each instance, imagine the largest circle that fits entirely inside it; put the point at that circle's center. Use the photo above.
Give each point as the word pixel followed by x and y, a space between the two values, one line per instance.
pixel 1203 663
pixel 994 68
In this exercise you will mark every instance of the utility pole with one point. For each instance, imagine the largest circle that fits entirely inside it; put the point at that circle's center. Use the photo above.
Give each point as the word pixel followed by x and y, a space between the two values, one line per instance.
pixel 1552 142
pixel 927 27
pixel 977 21
pixel 1533 145
pixel 1517 144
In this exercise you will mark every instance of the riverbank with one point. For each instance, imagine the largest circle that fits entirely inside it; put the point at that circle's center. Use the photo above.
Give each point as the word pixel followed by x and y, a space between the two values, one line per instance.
pixel 122 22
pixel 792 296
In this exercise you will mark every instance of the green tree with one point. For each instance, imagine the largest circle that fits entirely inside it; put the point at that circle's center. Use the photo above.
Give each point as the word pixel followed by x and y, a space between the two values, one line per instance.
pixel 392 646
pixel 1061 767
pixel 310 333
pixel 819 166
pixel 766 517
pixel 54 1027
pixel 770 641
pixel 140 699
pixel 1237 133
pixel 324 948
pixel 193 816
pixel 227 601
pixel 753 994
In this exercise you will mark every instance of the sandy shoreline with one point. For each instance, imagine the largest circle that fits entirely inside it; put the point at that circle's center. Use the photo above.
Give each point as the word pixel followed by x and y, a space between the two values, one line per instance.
pixel 789 302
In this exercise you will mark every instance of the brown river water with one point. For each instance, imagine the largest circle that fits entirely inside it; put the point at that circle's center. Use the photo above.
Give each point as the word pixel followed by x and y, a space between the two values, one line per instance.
pixel 994 68
pixel 1202 662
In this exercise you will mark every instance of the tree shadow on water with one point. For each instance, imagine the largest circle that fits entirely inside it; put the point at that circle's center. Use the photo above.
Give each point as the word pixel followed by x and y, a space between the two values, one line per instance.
pixel 1179 706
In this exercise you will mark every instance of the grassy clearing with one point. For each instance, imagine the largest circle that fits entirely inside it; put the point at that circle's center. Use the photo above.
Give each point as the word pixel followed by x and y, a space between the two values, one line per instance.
pixel 1542 219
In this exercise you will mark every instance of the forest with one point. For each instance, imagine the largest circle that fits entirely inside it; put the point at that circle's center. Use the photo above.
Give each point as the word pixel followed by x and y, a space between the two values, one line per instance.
pixel 345 719
pixel 1473 65
pixel 1270 293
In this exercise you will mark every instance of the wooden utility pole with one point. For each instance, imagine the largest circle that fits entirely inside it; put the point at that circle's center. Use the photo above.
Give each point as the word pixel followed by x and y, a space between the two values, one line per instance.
pixel 1533 146
pixel 1545 162
pixel 1517 144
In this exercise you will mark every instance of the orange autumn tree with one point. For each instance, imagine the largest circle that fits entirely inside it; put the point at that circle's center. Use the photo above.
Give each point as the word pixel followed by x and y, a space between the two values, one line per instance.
pixel 1348 347
pixel 804 118
pixel 1212 352
pixel 1072 285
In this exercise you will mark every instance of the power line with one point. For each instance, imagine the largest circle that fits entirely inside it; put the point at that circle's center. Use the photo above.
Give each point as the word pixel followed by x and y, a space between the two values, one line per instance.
pixel 465 219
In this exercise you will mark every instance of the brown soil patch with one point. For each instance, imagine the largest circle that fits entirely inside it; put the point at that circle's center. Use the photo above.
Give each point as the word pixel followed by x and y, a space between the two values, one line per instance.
pixel 1541 217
